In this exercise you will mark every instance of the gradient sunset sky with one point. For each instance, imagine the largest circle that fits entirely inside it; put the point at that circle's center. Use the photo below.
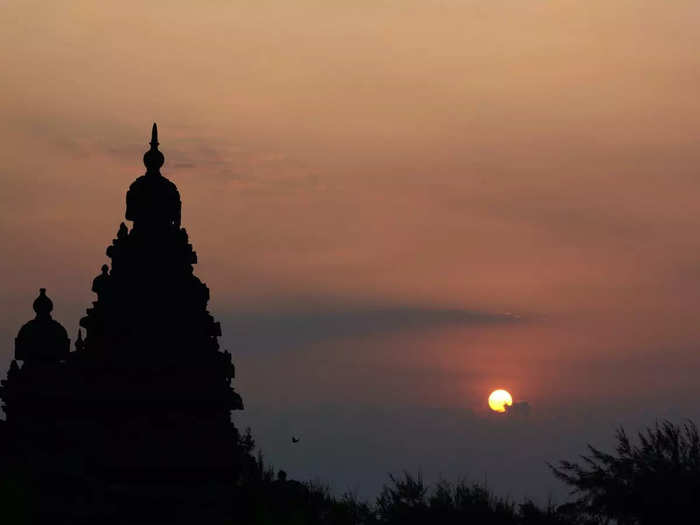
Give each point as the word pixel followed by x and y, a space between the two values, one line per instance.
pixel 398 206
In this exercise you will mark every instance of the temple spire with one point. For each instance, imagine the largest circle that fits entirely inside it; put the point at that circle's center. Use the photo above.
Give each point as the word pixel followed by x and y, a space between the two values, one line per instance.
pixel 153 159
pixel 154 136
pixel 152 198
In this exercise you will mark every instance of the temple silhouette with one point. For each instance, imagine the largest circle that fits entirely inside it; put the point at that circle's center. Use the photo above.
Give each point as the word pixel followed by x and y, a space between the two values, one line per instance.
pixel 134 424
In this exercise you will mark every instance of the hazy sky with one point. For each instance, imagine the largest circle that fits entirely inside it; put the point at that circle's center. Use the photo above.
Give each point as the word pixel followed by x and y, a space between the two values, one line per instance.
pixel 398 206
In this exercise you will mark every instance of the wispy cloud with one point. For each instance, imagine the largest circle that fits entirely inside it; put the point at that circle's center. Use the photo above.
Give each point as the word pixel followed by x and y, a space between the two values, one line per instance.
pixel 278 330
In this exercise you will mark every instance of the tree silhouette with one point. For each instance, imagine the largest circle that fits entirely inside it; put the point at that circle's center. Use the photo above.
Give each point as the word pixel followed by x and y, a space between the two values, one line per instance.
pixel 653 480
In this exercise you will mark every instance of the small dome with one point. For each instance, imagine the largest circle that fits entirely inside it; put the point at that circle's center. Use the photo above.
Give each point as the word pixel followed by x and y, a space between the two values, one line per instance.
pixel 42 338
pixel 100 284
pixel 43 305
pixel 153 159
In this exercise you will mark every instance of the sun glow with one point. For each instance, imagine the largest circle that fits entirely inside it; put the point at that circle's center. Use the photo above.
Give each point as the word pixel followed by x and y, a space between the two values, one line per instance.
pixel 499 399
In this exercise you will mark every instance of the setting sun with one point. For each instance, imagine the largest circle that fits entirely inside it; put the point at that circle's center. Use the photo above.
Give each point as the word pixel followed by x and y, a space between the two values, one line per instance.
pixel 499 399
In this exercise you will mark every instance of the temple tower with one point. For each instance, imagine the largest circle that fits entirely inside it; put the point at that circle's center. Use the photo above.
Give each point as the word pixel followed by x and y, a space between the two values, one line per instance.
pixel 32 392
pixel 153 373
pixel 139 413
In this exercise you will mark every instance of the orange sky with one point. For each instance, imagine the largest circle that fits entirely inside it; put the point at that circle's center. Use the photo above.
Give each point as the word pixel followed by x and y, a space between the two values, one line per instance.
pixel 371 186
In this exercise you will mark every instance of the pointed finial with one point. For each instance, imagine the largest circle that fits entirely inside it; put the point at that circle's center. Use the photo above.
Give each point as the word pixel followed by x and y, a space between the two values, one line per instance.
pixel 154 135
pixel 153 159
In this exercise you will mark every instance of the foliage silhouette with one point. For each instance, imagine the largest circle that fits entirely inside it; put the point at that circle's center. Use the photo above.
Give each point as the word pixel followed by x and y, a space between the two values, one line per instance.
pixel 655 480
pixel 403 500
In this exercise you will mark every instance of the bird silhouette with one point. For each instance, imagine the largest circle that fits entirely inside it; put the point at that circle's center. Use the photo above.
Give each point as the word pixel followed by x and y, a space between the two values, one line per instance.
pixel 295 439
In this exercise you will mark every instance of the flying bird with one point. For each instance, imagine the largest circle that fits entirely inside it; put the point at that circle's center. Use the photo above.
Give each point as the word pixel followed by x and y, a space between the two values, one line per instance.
pixel 295 439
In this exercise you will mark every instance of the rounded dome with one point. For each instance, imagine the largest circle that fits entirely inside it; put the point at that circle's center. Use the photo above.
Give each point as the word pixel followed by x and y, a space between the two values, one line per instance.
pixel 42 338
pixel 42 304
pixel 153 159
pixel 153 199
